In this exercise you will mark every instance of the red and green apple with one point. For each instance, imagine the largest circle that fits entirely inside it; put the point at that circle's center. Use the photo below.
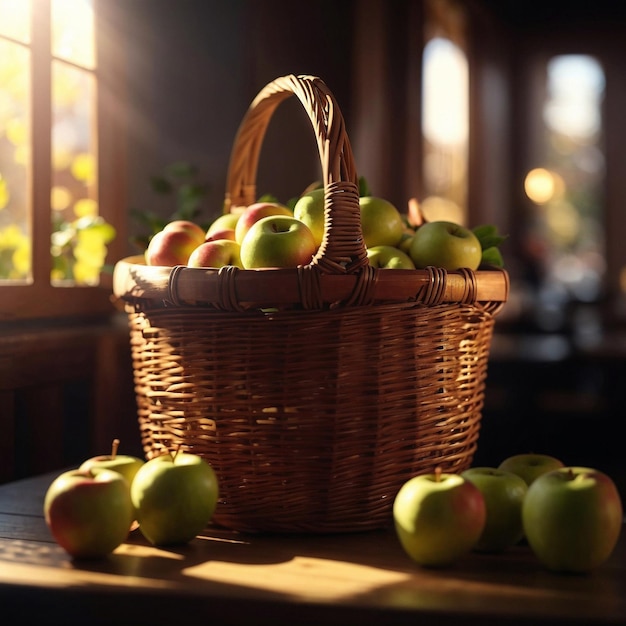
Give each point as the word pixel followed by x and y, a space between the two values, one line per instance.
pixel 89 513
pixel 438 517
pixel 504 494
pixel 216 253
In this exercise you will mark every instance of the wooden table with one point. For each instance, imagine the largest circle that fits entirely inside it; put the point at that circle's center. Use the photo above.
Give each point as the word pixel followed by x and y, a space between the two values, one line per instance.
pixel 223 577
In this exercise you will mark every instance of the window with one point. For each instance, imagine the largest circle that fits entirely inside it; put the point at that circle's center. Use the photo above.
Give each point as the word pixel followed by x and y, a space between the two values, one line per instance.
pixel 565 189
pixel 58 228
pixel 445 114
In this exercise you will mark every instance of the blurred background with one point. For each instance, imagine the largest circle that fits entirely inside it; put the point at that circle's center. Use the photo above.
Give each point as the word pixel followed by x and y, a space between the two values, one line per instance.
pixel 115 114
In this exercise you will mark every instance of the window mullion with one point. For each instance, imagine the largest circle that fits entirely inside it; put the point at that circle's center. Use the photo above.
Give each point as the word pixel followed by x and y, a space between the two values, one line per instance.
pixel 41 120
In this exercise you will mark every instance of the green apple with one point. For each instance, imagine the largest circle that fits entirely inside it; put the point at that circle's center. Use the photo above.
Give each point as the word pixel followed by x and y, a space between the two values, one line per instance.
pixel 504 494
pixel 309 208
pixel 124 464
pixel 254 213
pixel 277 241
pixel 175 496
pixel 405 243
pixel 530 465
pixel 389 257
pixel 216 253
pixel 173 245
pixel 572 518
pixel 438 517
pixel 381 222
pixel 447 245
pixel 89 513
pixel 224 222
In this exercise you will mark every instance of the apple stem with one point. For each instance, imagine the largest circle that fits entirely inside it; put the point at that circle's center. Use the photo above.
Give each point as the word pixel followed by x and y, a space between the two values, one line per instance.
pixel 114 446
pixel 176 451
pixel 438 474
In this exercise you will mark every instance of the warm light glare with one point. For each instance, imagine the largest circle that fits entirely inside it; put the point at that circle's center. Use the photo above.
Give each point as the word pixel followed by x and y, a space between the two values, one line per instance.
pixel 575 87
pixel 73 32
pixel 542 185
pixel 15 19
pixel 446 93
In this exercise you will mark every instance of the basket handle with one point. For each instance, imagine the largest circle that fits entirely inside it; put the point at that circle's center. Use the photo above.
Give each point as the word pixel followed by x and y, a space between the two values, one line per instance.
pixel 342 249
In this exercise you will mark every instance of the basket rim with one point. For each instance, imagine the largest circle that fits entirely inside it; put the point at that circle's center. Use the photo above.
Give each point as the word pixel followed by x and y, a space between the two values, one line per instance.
pixel 181 285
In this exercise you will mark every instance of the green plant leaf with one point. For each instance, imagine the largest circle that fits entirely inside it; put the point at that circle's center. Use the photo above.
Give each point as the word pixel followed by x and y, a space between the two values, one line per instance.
pixel 181 170
pixel 160 185
pixel 488 236
pixel 364 189
pixel 493 256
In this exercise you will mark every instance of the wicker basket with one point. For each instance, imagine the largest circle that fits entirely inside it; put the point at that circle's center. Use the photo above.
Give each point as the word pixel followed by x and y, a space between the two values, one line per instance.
pixel 313 392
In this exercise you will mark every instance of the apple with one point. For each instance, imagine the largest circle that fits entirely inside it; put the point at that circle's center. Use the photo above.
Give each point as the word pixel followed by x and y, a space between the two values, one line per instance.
pixel 224 233
pixel 309 209
pixel 216 253
pixel 504 494
pixel 277 241
pixel 389 257
pixel 572 518
pixel 530 466
pixel 193 229
pixel 173 245
pixel 446 245
pixel 175 496
pixel 438 517
pixel 123 464
pixel 405 243
pixel 381 222
pixel 224 222
pixel 89 512
pixel 254 213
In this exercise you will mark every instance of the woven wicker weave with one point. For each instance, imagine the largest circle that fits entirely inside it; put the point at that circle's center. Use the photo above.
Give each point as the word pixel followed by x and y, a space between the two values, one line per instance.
pixel 315 411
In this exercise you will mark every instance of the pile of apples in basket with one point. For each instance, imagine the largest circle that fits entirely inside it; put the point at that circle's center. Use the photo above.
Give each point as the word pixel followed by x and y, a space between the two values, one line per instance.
pixel 269 234
pixel 570 517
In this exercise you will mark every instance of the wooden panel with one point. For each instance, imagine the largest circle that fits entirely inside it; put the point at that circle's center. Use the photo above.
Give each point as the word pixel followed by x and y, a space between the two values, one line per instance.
pixel 7 435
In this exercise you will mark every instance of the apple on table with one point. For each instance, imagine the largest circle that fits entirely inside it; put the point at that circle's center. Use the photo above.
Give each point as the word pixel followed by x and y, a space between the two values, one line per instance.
pixel 89 512
pixel 124 464
pixel 277 241
pixel 446 245
pixel 572 518
pixel 175 496
pixel 438 517
pixel 504 494
pixel 530 465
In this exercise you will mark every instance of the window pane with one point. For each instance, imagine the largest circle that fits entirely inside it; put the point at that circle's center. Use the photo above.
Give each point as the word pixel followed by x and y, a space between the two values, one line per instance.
pixel 566 188
pixel 15 228
pixel 79 235
pixel 445 126
pixel 73 32
pixel 15 19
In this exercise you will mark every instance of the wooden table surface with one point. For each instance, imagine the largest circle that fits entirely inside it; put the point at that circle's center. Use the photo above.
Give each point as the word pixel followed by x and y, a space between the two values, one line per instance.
pixel 223 577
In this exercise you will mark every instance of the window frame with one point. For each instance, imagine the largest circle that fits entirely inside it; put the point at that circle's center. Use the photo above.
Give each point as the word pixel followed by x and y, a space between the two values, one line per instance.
pixel 40 299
